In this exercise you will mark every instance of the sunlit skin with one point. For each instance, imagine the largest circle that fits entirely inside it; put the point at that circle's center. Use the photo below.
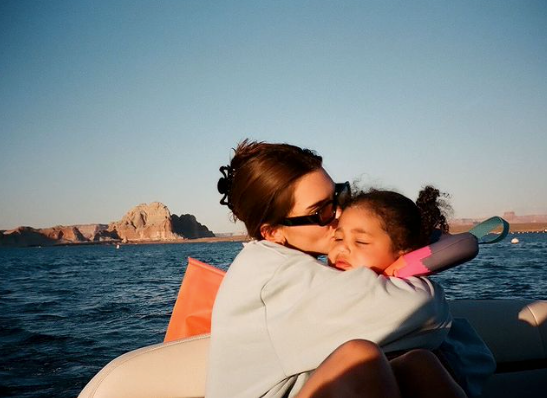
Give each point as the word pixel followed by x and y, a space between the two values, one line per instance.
pixel 360 241
pixel 310 192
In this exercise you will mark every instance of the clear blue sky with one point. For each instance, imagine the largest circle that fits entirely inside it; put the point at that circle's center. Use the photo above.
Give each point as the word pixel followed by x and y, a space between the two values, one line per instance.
pixel 108 104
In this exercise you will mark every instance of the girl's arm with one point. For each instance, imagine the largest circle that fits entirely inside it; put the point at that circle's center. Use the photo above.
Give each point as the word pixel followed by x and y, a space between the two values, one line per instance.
pixel 449 251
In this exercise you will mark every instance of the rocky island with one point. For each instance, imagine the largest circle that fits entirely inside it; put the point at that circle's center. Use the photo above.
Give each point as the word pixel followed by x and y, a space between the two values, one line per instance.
pixel 145 223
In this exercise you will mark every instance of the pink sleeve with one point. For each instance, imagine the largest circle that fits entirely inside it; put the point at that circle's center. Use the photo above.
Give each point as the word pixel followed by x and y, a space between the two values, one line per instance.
pixel 449 251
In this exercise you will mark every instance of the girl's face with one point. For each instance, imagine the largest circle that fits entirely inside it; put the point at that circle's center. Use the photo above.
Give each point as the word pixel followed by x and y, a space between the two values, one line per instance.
pixel 360 241
pixel 311 192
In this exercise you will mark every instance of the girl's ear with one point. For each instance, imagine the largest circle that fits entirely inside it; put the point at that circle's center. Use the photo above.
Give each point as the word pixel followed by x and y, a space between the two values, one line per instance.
pixel 273 234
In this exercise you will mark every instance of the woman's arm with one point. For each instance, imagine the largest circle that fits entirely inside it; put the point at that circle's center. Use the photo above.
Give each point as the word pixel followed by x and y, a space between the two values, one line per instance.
pixel 311 309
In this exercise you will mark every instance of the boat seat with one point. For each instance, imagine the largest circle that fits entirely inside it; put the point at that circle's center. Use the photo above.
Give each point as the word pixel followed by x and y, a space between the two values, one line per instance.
pixel 515 331
pixel 175 370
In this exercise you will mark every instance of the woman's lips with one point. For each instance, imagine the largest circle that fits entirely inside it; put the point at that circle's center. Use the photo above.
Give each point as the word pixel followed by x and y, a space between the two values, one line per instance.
pixel 343 265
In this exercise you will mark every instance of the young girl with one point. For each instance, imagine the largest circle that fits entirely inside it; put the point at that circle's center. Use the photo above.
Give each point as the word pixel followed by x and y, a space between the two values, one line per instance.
pixel 376 228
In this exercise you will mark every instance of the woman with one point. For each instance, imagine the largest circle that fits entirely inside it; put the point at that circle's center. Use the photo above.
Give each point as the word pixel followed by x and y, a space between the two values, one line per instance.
pixel 286 325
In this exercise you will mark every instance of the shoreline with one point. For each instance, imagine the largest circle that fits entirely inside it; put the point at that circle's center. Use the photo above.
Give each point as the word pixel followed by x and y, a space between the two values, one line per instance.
pixel 514 228
pixel 235 238
pixel 454 229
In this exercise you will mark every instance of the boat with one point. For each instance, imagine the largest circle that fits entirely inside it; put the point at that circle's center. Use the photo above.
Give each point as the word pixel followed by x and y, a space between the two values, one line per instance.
pixel 515 331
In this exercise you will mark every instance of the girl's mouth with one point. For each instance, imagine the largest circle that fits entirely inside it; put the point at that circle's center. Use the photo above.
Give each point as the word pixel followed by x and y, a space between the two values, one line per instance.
pixel 342 264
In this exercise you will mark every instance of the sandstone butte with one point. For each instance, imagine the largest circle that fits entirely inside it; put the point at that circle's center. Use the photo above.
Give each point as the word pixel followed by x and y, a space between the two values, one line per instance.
pixel 145 223
pixel 154 223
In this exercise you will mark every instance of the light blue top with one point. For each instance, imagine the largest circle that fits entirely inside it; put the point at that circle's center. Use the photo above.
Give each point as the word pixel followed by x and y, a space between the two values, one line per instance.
pixel 280 312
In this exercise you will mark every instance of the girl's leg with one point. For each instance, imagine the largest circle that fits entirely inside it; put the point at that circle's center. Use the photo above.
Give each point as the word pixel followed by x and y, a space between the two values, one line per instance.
pixel 357 369
pixel 420 373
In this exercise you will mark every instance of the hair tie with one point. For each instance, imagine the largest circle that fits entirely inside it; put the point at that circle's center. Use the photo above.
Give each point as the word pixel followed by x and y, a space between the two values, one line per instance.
pixel 224 185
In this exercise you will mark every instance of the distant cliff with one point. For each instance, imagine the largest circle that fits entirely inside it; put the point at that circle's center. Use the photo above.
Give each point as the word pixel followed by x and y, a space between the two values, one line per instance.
pixel 187 225
pixel 144 223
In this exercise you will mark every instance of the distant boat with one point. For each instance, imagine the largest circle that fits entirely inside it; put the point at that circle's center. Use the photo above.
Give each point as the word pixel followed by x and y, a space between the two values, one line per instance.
pixel 117 246
pixel 515 240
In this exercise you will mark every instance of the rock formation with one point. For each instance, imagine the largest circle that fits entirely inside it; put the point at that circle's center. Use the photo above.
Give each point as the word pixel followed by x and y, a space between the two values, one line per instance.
pixel 144 223
pixel 59 235
pixel 62 234
pixel 186 225
pixel 25 236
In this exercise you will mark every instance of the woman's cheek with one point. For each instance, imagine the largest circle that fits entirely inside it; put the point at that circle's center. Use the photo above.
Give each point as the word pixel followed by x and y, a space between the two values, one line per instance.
pixel 332 245
pixel 331 255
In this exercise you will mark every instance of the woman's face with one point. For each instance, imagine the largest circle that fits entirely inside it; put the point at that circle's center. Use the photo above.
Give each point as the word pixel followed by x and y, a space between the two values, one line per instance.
pixel 311 191
pixel 360 241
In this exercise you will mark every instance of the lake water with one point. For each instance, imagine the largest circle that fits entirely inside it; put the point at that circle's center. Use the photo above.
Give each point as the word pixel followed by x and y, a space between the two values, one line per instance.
pixel 65 312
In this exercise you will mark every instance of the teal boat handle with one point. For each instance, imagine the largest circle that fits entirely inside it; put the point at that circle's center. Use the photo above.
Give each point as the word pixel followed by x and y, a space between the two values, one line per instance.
pixel 483 230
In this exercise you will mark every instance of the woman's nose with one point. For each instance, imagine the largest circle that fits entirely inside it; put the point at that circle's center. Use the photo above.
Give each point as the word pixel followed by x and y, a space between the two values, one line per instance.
pixel 334 223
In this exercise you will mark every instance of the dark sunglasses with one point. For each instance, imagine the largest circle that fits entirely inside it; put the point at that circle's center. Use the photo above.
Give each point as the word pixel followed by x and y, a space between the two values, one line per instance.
pixel 326 213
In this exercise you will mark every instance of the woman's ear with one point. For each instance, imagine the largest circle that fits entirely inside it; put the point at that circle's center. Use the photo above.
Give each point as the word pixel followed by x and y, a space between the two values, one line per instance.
pixel 273 234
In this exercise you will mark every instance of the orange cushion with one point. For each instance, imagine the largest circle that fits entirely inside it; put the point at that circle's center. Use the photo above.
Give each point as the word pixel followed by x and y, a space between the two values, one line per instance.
pixel 192 311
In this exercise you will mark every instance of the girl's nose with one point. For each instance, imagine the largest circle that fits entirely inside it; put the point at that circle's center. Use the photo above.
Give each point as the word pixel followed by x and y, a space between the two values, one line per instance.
pixel 341 247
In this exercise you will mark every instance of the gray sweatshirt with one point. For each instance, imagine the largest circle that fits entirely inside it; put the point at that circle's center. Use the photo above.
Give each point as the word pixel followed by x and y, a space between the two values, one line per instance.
pixel 280 312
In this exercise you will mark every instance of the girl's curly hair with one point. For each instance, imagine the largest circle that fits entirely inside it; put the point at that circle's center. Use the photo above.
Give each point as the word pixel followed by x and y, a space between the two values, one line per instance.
pixel 409 225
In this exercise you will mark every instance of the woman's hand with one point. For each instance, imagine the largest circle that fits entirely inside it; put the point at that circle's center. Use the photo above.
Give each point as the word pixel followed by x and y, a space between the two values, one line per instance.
pixel 394 267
